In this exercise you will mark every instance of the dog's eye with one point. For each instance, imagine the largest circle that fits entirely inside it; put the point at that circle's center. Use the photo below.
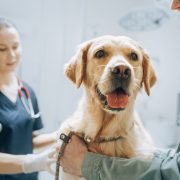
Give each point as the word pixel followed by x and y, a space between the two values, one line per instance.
pixel 133 56
pixel 100 54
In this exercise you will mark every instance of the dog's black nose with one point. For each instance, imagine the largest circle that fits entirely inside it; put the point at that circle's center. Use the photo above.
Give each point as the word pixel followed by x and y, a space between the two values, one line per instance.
pixel 122 71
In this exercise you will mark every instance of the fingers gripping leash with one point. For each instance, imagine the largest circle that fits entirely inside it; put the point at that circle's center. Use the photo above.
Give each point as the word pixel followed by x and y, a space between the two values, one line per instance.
pixel 65 138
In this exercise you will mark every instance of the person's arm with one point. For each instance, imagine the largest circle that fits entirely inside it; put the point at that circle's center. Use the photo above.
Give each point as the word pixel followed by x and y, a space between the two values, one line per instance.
pixel 42 140
pixel 98 167
pixel 10 164
pixel 78 161
pixel 13 164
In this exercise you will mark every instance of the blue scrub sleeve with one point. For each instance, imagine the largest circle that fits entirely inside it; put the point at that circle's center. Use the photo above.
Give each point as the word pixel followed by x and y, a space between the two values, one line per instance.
pixel 163 166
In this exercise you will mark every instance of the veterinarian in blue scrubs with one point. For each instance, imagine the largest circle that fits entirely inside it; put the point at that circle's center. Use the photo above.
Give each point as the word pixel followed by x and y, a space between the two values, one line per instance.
pixel 19 111
pixel 165 164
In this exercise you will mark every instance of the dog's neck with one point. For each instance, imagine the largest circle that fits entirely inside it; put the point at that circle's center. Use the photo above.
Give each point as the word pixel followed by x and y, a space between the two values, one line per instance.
pixel 100 121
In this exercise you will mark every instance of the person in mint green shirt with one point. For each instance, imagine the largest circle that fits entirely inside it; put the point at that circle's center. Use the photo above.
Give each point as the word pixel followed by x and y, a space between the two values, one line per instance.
pixel 165 164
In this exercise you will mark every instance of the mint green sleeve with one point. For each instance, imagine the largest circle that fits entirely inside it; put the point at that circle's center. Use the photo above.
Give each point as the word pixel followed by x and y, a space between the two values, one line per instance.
pixel 163 166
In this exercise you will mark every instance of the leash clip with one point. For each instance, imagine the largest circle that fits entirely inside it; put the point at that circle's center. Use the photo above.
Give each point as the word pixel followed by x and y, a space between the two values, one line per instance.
pixel 65 138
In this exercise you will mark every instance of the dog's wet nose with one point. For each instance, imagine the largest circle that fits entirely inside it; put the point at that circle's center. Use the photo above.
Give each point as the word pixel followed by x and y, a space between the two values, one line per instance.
pixel 122 71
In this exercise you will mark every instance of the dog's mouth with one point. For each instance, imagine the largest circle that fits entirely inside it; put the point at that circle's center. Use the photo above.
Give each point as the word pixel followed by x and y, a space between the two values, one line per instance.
pixel 115 100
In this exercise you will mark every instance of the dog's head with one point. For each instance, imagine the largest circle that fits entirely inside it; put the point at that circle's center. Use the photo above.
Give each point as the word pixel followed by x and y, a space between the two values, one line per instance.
pixel 113 69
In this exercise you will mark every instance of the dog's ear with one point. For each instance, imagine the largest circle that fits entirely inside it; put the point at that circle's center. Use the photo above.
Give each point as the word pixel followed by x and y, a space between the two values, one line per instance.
pixel 76 68
pixel 149 76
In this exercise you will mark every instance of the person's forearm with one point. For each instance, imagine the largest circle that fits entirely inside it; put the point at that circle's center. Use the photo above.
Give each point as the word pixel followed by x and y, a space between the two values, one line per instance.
pixel 164 166
pixel 43 140
pixel 99 167
pixel 11 164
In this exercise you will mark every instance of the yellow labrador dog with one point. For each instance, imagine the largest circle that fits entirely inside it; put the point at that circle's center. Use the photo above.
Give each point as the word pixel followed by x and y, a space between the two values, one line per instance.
pixel 112 70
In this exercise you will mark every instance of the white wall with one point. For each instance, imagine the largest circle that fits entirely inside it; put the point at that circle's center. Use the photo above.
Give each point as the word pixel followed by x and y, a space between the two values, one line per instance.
pixel 51 30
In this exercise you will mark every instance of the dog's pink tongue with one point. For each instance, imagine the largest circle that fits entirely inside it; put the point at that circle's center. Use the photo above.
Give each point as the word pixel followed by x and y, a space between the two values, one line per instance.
pixel 117 100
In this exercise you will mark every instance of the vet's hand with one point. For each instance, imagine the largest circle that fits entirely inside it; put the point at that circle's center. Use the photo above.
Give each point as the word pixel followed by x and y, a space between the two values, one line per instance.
pixel 73 157
pixel 41 161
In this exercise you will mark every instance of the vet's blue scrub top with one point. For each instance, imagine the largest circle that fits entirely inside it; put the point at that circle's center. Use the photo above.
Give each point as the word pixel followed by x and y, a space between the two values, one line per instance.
pixel 17 128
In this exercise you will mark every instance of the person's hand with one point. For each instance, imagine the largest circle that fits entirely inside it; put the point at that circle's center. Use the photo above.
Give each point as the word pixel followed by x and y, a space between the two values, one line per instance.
pixel 40 161
pixel 175 5
pixel 73 157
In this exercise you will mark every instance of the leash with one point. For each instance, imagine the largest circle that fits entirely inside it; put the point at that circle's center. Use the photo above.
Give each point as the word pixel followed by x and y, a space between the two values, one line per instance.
pixel 100 140
pixel 65 138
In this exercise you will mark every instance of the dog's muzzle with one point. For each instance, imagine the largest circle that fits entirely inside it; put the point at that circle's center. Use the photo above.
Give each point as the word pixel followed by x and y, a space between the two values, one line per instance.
pixel 116 98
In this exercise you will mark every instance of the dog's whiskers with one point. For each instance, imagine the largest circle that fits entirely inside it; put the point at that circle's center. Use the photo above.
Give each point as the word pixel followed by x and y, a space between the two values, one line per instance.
pixel 104 80
pixel 137 80
pixel 137 84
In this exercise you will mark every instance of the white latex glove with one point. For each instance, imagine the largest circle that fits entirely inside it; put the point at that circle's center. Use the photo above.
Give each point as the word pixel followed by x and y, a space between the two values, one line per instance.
pixel 40 161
